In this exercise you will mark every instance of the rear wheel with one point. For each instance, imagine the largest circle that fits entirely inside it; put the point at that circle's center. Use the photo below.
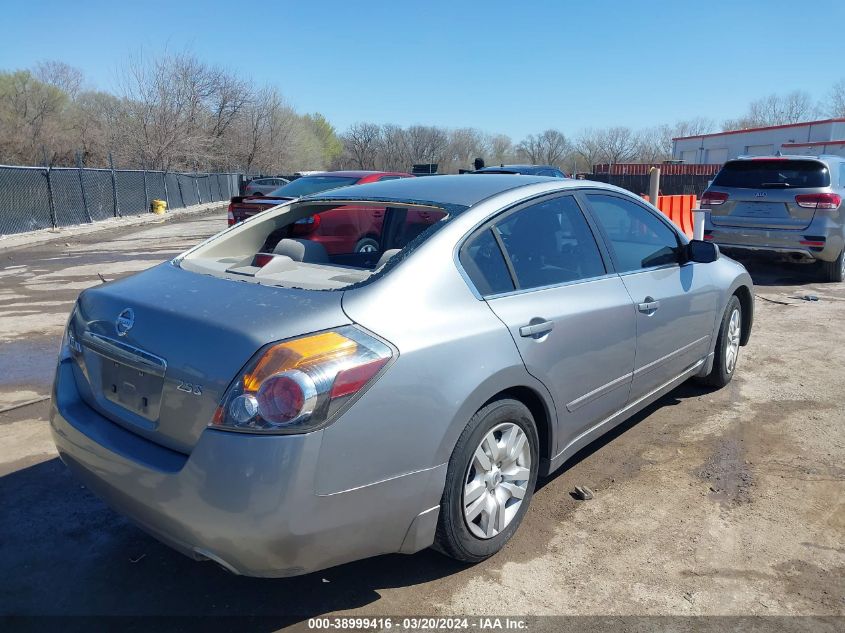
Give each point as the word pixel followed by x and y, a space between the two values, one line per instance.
pixel 835 270
pixel 366 245
pixel 727 346
pixel 489 483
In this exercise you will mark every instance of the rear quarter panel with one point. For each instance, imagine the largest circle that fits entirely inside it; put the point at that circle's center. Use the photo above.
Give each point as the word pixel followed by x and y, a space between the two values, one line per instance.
pixel 454 354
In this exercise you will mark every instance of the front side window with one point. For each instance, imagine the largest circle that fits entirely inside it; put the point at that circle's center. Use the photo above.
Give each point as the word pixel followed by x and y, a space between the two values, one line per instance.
pixel 550 243
pixel 639 239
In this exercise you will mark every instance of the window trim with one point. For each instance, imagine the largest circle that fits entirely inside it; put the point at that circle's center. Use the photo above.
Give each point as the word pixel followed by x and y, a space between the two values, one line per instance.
pixel 681 239
pixel 506 212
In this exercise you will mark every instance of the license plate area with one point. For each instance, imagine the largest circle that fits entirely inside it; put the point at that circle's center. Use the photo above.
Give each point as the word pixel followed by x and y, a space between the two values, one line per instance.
pixel 131 388
pixel 129 377
pixel 761 210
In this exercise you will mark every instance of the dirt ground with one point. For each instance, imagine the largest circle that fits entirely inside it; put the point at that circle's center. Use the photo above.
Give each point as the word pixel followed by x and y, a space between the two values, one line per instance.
pixel 708 503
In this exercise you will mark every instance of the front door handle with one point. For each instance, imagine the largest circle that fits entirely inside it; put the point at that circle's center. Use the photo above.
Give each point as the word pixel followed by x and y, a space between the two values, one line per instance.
pixel 649 305
pixel 536 330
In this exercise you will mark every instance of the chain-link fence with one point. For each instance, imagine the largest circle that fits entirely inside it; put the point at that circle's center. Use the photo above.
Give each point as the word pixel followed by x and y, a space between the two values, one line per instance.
pixel 40 197
pixel 670 185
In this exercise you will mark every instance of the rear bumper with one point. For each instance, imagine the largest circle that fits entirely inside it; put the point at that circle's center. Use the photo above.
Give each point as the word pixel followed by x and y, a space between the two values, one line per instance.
pixel 784 242
pixel 247 502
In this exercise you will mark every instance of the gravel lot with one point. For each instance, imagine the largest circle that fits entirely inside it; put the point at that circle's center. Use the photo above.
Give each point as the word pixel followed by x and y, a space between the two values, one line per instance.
pixel 729 502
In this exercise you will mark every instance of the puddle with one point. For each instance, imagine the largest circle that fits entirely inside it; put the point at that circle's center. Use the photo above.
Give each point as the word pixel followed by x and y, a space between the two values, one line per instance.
pixel 30 362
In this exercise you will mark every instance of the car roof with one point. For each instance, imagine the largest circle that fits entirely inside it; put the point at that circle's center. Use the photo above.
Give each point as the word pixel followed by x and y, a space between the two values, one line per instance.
pixel 353 173
pixel 462 190
pixel 821 158
pixel 523 168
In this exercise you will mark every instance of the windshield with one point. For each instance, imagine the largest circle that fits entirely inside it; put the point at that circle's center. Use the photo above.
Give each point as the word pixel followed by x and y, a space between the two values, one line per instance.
pixel 312 184
pixel 775 173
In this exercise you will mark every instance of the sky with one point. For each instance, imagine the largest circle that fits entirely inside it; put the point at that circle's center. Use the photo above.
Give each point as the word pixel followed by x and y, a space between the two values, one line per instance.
pixel 511 67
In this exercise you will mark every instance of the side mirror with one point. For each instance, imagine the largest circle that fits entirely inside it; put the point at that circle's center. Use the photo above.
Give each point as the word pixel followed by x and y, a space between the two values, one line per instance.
pixel 702 252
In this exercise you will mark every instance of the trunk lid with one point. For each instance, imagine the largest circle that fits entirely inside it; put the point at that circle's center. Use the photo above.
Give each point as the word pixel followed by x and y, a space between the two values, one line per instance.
pixel 773 209
pixel 157 350
pixel 761 192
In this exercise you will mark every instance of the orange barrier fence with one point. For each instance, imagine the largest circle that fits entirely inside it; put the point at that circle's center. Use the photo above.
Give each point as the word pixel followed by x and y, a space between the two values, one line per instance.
pixel 678 209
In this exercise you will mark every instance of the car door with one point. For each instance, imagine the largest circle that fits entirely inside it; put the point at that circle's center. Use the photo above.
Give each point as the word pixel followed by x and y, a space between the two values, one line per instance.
pixel 542 272
pixel 675 300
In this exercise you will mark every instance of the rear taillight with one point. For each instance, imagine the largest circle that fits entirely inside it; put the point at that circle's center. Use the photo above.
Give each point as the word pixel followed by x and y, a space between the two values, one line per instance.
pixel 818 200
pixel 714 198
pixel 230 217
pixel 299 385
pixel 306 225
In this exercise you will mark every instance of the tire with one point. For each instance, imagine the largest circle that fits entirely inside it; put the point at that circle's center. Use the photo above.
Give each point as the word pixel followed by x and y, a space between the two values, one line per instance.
pixel 835 270
pixel 367 245
pixel 474 540
pixel 728 338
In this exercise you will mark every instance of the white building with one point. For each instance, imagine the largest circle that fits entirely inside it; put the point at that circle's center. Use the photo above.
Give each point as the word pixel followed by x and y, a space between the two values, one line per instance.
pixel 811 138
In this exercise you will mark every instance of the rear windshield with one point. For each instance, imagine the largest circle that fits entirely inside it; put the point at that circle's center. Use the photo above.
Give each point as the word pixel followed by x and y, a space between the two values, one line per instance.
pixel 312 184
pixel 317 245
pixel 773 174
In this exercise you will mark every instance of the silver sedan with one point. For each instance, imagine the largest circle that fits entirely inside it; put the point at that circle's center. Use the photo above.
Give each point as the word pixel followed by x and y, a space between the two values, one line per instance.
pixel 278 410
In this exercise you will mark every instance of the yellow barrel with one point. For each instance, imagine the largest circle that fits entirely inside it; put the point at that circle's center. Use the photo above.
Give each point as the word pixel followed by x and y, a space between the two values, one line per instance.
pixel 158 206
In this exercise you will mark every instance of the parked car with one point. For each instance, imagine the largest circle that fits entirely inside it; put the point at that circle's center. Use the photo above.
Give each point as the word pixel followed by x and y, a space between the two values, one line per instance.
pixel 261 186
pixel 278 409
pixel 532 170
pixel 351 224
pixel 789 206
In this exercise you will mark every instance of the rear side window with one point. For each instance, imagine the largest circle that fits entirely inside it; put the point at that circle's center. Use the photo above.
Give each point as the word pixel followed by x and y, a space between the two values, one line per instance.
pixel 550 243
pixel 773 174
pixel 482 259
pixel 639 239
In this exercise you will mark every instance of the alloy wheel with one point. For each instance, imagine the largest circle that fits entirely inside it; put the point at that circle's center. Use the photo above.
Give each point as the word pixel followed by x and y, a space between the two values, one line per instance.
pixel 496 481
pixel 732 347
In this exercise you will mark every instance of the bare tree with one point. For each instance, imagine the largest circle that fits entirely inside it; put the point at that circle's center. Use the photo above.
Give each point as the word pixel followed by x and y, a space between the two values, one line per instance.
pixel 95 123
pixel 834 105
pixel 361 143
pixel 60 75
pixel 465 145
pixel 393 149
pixel 501 149
pixel 588 145
pixel 546 148
pixel 794 107
pixel 652 144
pixel 426 144
pixel 31 114
pixel 619 144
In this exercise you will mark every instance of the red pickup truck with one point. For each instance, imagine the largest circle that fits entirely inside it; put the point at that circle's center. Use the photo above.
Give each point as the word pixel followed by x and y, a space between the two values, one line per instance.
pixel 347 229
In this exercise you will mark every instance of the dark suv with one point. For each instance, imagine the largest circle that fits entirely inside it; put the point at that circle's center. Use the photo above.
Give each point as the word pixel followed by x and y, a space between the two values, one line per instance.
pixel 790 206
pixel 528 170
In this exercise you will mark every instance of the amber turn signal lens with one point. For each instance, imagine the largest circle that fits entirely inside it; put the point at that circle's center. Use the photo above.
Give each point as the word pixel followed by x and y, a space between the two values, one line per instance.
pixel 293 354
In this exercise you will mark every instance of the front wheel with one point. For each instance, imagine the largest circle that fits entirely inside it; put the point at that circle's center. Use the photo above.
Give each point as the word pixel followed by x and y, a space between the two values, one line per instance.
pixel 835 270
pixel 727 346
pixel 489 483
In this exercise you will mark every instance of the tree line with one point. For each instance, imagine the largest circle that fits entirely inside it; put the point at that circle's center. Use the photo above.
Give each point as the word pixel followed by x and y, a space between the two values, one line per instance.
pixel 176 112
pixel 173 112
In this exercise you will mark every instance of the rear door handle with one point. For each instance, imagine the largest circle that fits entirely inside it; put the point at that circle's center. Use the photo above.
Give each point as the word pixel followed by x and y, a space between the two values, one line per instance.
pixel 649 305
pixel 536 330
